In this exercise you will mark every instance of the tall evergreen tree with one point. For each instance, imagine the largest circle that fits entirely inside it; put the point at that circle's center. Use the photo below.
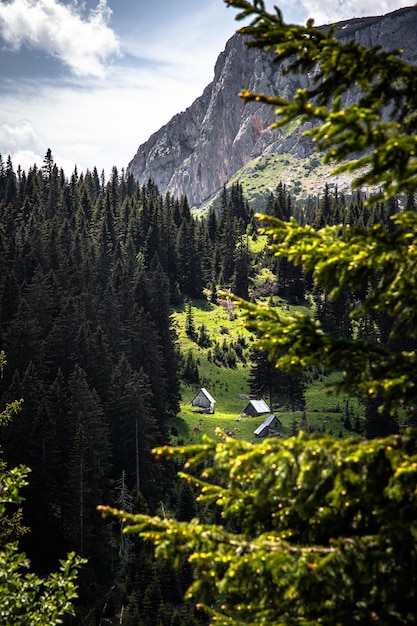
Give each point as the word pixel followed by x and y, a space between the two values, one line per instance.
pixel 89 465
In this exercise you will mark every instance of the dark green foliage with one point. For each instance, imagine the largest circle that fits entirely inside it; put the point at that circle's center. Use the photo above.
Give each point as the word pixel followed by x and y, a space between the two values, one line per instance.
pixel 190 371
pixel 88 274
pixel 291 282
pixel 88 464
pixel 26 598
pixel 378 423
pixel 189 322
pixel 323 530
pixel 225 257
pixel 240 279
pixel 186 503
pixel 203 339
pixel 334 315
pixel 280 389
pixel 224 354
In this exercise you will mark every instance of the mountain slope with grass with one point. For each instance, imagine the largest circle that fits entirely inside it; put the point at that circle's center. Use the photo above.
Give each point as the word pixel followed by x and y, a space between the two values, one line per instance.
pixel 219 136
pixel 221 353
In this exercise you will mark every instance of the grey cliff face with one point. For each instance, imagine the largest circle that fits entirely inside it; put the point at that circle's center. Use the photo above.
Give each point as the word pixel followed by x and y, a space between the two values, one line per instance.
pixel 200 149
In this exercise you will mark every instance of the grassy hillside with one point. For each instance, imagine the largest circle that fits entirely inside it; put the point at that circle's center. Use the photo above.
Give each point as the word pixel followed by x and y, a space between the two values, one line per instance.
pixel 302 177
pixel 229 385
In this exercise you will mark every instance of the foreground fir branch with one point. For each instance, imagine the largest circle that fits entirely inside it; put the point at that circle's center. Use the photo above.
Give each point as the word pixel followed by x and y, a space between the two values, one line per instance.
pixel 314 530
pixel 376 266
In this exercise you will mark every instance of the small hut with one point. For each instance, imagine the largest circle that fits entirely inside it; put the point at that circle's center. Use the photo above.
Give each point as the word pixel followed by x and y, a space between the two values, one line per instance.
pixel 254 408
pixel 271 424
pixel 204 401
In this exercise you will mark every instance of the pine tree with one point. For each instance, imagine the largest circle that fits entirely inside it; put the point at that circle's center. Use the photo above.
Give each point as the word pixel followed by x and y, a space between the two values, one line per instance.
pixel 190 330
pixel 240 280
pixel 89 463
pixel 124 501
pixel 280 388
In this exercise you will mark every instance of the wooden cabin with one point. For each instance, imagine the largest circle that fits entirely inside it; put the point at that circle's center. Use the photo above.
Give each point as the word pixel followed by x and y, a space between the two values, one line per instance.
pixel 204 401
pixel 268 427
pixel 254 408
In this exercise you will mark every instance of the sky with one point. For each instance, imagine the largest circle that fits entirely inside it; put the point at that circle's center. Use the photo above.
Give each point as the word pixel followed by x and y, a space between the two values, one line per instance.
pixel 93 79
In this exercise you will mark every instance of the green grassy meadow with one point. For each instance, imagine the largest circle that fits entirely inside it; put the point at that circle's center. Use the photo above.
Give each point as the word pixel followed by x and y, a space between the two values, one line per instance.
pixel 228 385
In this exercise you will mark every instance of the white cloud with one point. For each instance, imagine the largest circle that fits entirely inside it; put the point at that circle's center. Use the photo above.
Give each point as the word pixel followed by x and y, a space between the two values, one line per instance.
pixel 17 135
pixel 60 30
pixel 329 11
pixel 100 126
pixel 26 159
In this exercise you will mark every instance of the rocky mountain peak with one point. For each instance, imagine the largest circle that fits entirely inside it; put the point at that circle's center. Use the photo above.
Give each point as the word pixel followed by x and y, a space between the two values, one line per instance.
pixel 200 149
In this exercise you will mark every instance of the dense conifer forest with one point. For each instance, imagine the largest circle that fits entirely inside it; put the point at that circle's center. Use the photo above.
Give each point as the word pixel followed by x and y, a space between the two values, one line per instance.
pixel 89 272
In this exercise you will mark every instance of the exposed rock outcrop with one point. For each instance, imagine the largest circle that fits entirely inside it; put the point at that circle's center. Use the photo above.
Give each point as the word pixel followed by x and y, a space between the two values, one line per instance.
pixel 200 149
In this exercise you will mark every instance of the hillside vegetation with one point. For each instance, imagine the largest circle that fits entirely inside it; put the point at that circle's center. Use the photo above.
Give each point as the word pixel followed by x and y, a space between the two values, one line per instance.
pixel 110 321
pixel 230 387
pixel 303 177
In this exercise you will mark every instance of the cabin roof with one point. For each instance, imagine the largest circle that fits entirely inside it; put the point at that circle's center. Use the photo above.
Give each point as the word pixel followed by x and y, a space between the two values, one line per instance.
pixel 266 423
pixel 207 394
pixel 260 406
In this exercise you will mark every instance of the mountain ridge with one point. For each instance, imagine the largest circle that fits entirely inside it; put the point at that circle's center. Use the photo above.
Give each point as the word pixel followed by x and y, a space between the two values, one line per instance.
pixel 212 142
